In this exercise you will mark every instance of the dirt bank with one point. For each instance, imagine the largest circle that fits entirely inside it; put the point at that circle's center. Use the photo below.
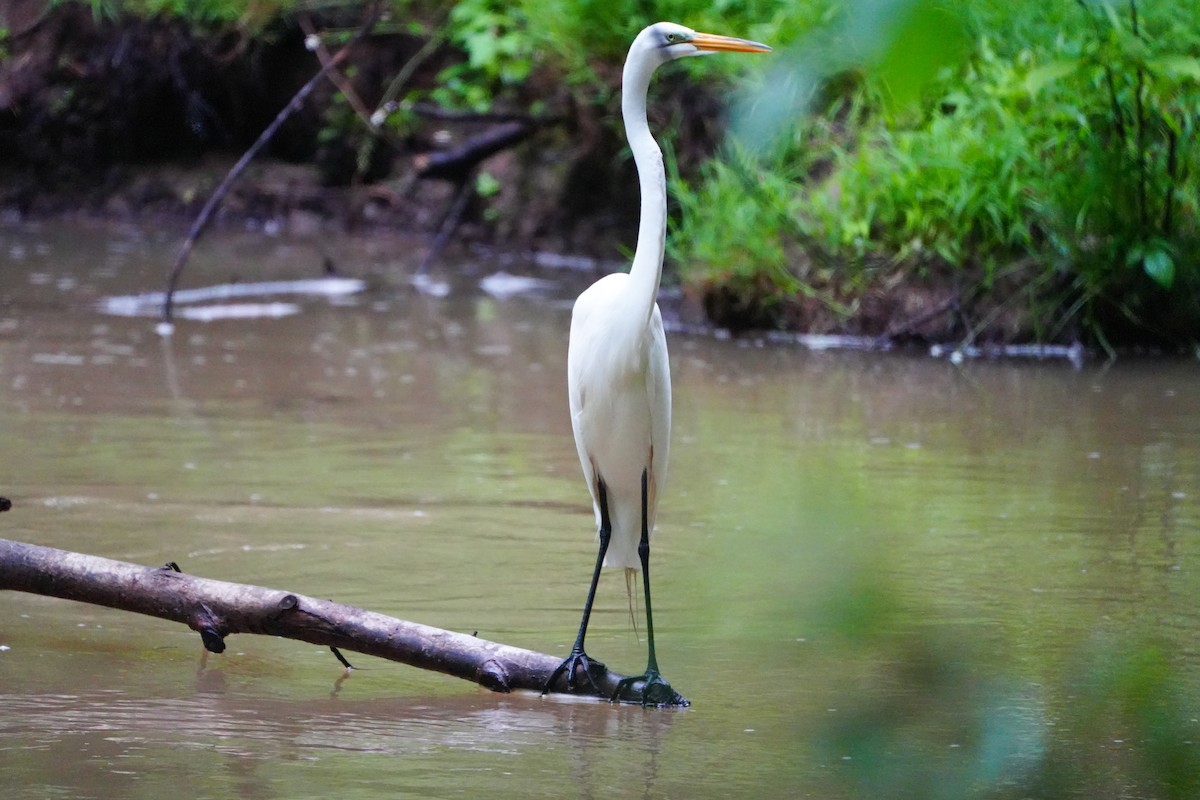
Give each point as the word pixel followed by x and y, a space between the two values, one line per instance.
pixel 140 118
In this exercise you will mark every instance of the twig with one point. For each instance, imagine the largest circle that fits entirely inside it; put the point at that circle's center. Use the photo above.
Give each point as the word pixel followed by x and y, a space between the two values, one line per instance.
pixel 461 165
pixel 466 190
pixel 336 77
pixel 406 72
pixel 222 189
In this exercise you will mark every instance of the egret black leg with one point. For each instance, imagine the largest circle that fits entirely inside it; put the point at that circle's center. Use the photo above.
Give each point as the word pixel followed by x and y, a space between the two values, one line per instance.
pixel 578 659
pixel 654 691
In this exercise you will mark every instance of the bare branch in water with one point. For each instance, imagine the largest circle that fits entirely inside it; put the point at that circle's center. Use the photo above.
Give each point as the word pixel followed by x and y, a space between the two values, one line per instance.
pixel 235 172
pixel 217 609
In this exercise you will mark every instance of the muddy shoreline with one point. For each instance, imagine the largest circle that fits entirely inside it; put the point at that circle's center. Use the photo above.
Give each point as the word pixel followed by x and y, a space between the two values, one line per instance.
pixel 138 121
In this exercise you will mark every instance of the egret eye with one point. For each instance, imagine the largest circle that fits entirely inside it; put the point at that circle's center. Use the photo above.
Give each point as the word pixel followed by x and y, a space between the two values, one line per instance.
pixel 673 38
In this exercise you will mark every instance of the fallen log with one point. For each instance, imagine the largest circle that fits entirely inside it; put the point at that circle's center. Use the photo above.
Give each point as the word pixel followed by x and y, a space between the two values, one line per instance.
pixel 216 609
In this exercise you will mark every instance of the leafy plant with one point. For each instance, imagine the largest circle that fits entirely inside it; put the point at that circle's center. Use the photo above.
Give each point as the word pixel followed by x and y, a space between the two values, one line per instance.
pixel 499 53
pixel 958 190
pixel 1133 210
pixel 740 229
pixel 1074 155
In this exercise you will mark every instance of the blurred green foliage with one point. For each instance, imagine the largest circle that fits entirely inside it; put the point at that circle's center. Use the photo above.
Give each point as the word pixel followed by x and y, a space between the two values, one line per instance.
pixel 962 729
pixel 947 713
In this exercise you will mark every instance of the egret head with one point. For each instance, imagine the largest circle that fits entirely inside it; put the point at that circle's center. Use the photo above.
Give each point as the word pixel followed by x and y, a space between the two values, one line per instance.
pixel 670 41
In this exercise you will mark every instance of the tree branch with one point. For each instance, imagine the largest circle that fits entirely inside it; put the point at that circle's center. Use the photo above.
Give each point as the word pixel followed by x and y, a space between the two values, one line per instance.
pixel 217 609
pixel 457 163
pixel 235 172
pixel 335 76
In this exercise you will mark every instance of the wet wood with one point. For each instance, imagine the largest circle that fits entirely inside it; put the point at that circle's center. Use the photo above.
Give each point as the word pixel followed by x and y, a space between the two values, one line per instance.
pixel 217 609
pixel 458 162
pixel 462 198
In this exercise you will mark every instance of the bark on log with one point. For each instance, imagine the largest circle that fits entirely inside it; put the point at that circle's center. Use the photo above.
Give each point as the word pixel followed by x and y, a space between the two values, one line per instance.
pixel 216 609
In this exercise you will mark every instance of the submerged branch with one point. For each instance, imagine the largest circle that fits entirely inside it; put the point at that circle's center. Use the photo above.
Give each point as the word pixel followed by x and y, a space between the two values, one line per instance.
pixel 235 172
pixel 217 609
pixel 462 197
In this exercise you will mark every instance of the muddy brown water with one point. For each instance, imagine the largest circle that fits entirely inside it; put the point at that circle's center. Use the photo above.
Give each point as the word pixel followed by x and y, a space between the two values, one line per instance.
pixel 876 574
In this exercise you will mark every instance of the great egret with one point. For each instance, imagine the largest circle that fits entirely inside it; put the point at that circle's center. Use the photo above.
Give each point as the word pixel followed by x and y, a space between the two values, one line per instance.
pixel 618 380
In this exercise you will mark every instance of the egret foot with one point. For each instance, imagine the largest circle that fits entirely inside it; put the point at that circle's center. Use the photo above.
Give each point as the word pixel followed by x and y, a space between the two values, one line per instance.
pixel 573 665
pixel 651 690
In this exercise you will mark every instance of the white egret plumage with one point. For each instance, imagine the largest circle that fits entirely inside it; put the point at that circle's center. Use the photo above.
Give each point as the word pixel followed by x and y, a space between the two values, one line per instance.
pixel 618 379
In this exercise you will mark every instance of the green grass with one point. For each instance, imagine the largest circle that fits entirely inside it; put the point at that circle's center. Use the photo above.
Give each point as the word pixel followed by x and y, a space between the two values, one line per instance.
pixel 1063 144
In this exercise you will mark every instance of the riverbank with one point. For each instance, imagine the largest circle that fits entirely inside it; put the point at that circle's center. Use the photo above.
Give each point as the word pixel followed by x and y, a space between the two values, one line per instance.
pixel 852 228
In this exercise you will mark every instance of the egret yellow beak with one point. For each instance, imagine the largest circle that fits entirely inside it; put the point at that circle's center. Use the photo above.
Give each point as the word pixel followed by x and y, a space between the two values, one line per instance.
pixel 727 44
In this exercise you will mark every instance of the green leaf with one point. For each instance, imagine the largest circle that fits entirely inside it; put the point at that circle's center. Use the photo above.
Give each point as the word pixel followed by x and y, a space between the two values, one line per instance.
pixel 1159 265
pixel 486 184
pixel 1178 66
pixel 927 37
pixel 1040 77
pixel 481 48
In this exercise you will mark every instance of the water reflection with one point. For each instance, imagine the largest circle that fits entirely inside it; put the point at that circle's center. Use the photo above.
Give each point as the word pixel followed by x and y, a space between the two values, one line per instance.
pixel 880 575
pixel 109 742
pixel 280 728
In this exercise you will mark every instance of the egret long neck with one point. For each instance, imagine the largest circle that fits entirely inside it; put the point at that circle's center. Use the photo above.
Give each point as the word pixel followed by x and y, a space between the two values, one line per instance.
pixel 652 230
